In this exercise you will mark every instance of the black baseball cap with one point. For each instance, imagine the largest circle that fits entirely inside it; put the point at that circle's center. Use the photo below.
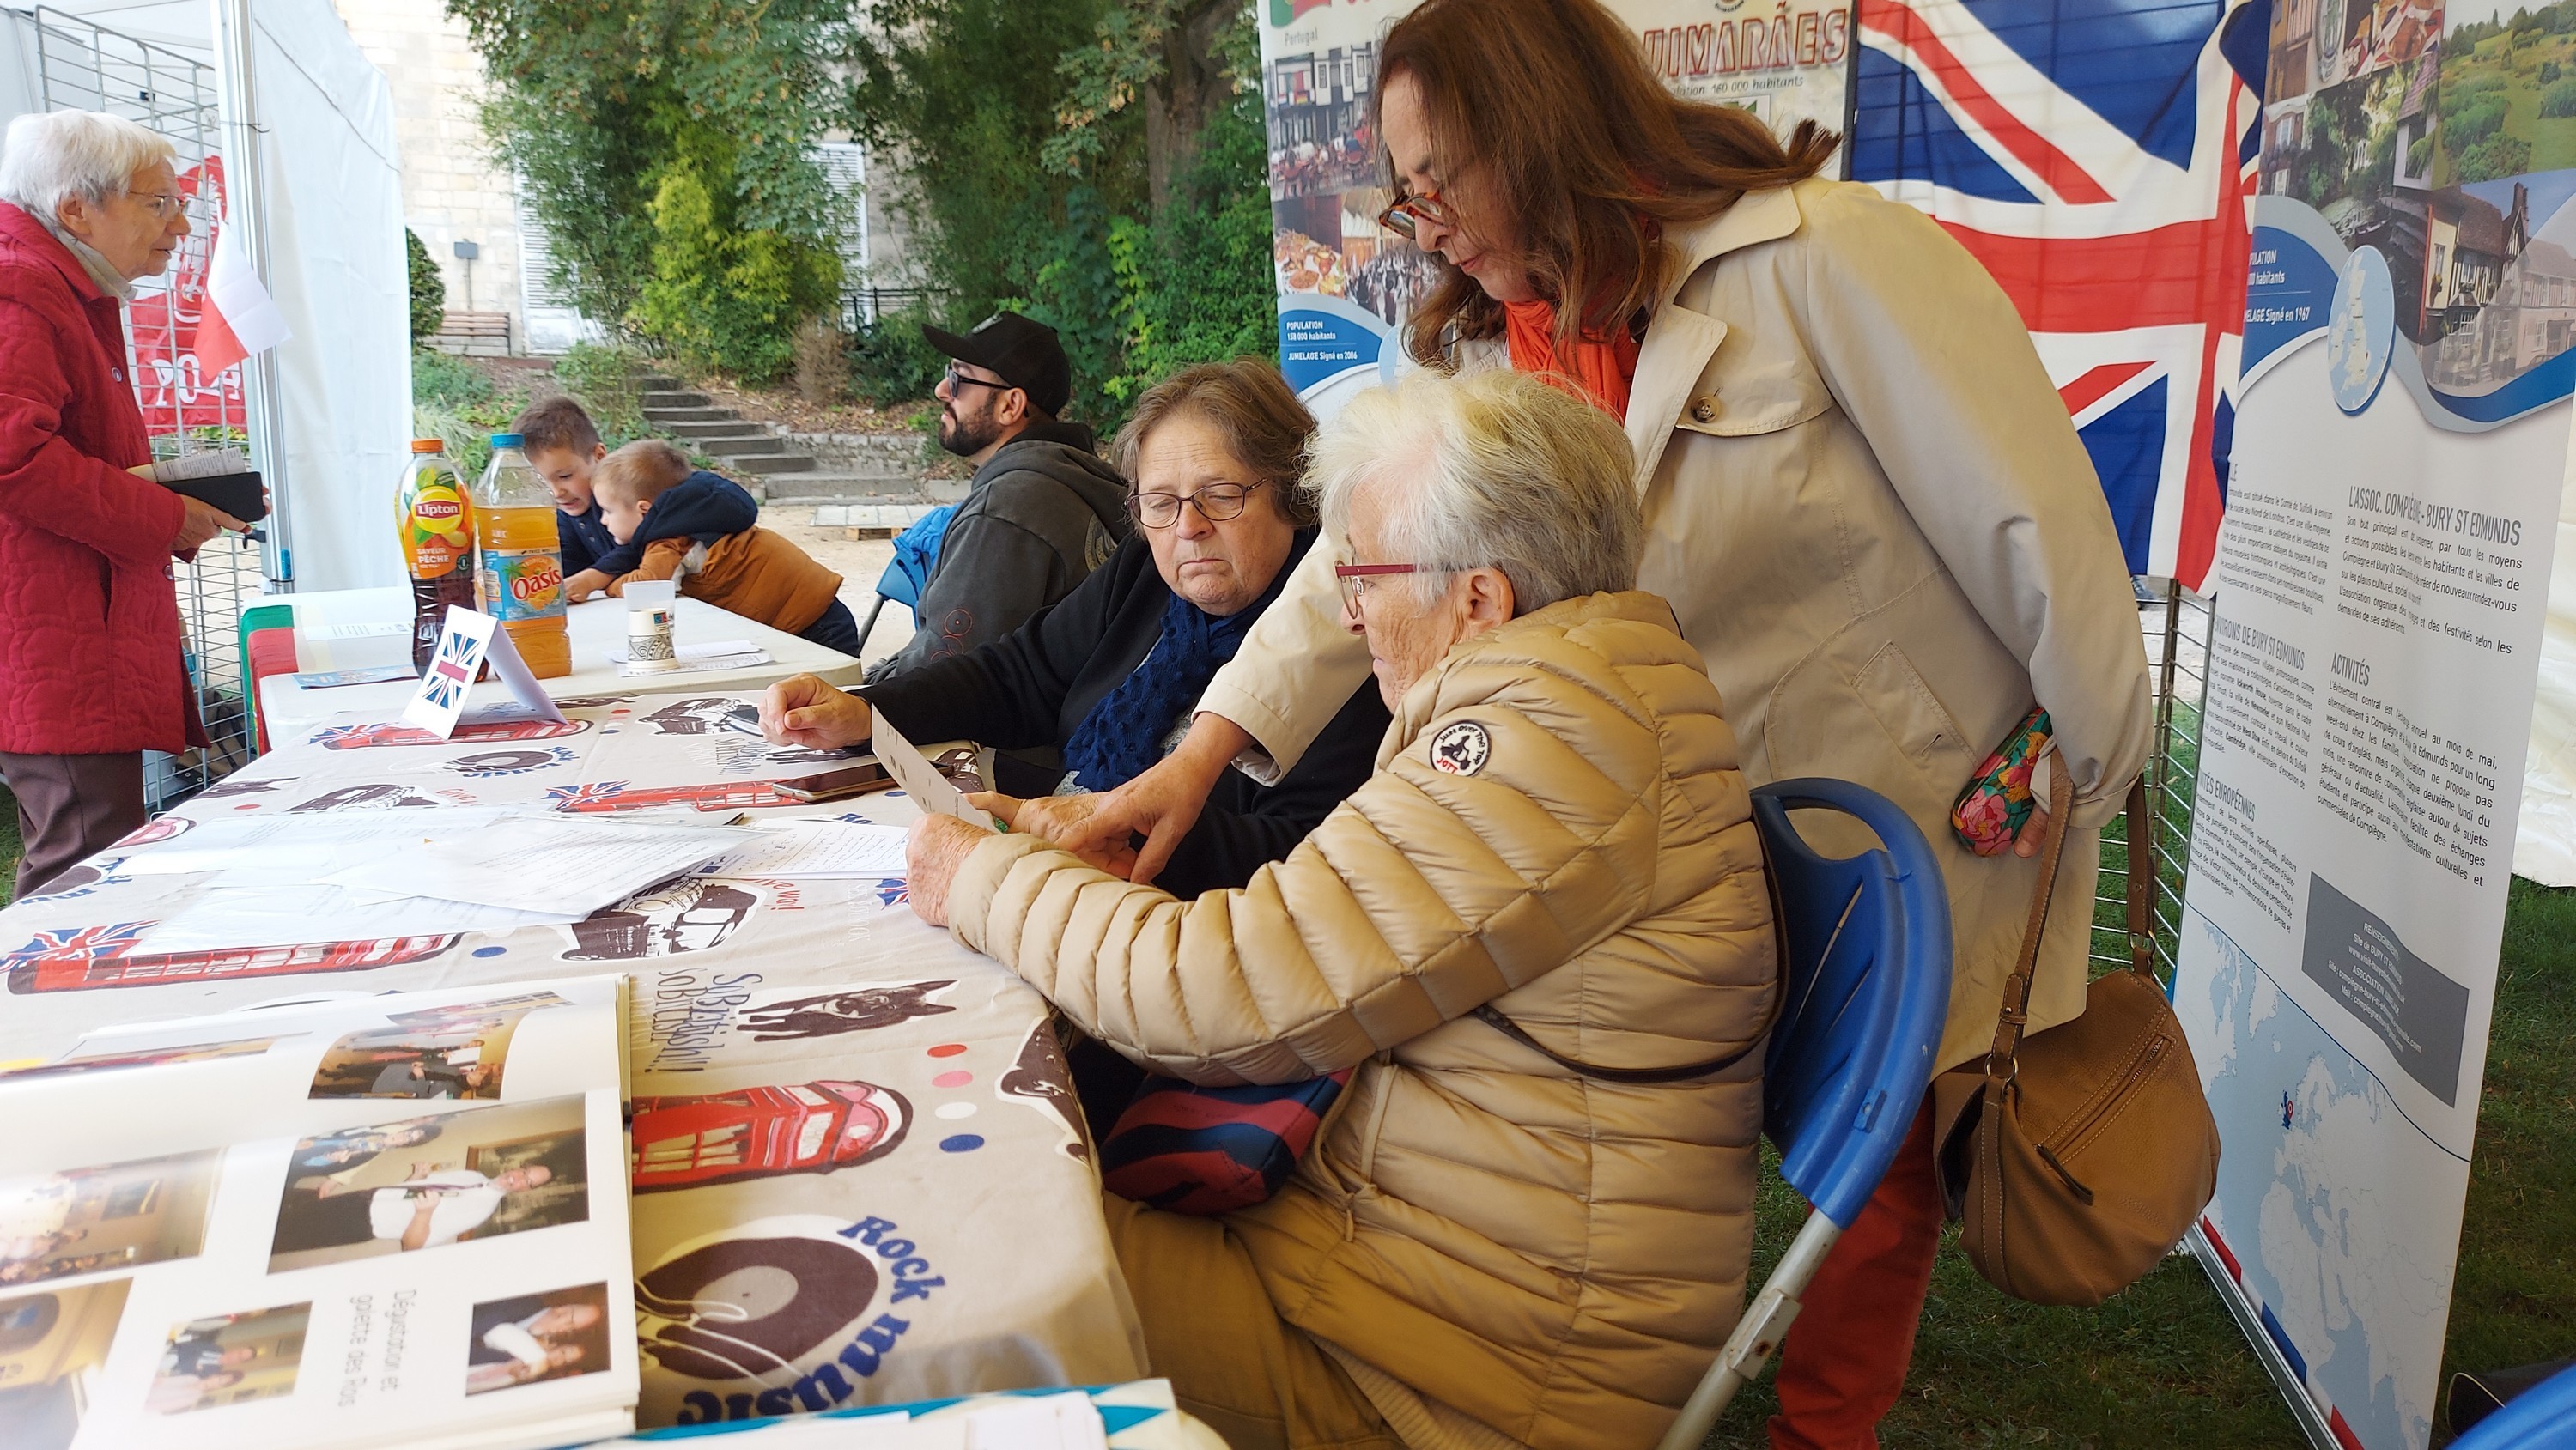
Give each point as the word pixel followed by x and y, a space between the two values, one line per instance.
pixel 1022 350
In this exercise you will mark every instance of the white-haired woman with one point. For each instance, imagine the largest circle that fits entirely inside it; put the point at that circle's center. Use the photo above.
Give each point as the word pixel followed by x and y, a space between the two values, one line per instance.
pixel 1538 933
pixel 91 674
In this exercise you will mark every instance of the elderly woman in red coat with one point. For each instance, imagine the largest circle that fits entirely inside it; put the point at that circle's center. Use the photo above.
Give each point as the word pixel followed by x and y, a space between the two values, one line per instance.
pixel 90 669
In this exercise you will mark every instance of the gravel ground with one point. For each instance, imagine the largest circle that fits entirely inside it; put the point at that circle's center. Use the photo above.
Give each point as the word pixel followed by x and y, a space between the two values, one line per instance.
pixel 857 561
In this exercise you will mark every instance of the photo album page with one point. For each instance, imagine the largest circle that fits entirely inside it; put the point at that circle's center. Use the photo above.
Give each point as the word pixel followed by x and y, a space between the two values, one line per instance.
pixel 298 1225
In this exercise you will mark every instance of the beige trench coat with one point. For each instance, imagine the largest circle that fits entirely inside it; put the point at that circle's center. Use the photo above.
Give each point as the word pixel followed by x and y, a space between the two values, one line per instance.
pixel 1875 522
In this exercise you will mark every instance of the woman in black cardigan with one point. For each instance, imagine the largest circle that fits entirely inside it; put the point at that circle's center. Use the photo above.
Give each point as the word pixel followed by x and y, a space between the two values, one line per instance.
pixel 1090 692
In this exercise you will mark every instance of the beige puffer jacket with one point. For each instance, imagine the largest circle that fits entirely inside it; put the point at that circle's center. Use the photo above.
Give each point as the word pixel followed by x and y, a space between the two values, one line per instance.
pixel 1557 1257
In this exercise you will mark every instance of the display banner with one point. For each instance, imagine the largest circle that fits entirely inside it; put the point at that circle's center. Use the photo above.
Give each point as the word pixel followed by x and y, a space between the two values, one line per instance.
pixel 1346 285
pixel 2381 581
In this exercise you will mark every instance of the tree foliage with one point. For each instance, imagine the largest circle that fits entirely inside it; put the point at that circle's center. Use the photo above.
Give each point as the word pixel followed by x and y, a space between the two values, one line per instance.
pixel 1128 211
pixel 428 290
pixel 598 102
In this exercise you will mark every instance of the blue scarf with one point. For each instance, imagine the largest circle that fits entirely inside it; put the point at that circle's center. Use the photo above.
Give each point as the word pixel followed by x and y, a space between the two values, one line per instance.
pixel 1123 735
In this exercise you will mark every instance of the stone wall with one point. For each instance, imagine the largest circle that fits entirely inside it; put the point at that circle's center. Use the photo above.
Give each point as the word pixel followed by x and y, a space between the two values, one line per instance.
pixel 452 191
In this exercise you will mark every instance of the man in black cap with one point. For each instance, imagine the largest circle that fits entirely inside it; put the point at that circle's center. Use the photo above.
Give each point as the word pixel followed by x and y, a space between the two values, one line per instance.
pixel 1043 510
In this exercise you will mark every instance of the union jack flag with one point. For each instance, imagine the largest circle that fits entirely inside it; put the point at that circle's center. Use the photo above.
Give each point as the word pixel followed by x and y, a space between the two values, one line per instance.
pixel 86 941
pixel 2100 160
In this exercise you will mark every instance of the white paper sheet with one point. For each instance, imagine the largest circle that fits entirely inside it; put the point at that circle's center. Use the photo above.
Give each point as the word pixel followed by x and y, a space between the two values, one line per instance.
pixel 273 916
pixel 543 863
pixel 812 850
pixel 919 778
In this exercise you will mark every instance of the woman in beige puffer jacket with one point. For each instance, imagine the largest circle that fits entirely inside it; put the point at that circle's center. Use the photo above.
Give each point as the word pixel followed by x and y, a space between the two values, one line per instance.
pixel 1496 1247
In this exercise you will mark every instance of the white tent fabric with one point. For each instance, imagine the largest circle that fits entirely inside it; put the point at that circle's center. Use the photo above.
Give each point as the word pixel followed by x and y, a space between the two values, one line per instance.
pixel 338 270
pixel 2544 846
pixel 336 264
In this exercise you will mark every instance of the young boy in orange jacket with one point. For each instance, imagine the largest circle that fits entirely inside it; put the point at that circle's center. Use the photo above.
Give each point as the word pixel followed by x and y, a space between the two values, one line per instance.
pixel 648 494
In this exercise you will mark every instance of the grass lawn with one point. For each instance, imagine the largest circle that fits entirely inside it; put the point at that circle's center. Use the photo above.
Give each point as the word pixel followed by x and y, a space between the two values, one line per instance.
pixel 2163 1364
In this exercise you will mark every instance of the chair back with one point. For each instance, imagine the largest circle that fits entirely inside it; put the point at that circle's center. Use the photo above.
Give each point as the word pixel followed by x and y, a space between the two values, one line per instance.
pixel 1868 988
pixel 916 553
pixel 2544 1415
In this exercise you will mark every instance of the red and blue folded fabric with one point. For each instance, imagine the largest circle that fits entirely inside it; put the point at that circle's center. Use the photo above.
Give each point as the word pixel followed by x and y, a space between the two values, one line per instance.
pixel 1200 1150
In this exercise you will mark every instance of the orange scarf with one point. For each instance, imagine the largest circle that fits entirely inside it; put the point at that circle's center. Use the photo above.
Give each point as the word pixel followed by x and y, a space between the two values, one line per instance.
pixel 1602 369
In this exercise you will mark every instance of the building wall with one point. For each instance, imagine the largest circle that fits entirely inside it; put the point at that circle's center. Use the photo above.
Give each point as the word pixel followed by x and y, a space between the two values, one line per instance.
pixel 452 191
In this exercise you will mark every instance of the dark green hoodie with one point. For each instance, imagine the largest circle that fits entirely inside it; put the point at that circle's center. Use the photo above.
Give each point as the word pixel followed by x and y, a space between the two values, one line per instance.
pixel 1041 514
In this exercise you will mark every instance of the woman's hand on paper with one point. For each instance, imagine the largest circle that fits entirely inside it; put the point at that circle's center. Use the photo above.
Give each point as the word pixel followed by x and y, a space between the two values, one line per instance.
pixel 805 710
pixel 938 846
pixel 1065 821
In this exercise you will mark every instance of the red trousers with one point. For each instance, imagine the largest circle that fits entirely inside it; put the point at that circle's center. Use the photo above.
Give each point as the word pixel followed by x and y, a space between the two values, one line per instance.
pixel 1843 1365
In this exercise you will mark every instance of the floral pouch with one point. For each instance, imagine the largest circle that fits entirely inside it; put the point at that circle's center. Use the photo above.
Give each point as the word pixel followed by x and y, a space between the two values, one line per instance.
pixel 1998 799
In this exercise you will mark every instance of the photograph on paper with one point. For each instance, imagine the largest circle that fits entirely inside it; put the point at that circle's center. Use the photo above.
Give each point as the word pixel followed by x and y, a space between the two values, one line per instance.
pixel 534 1337
pixel 229 1359
pixel 490 1171
pixel 115 1216
pixel 53 1343
pixel 448 1053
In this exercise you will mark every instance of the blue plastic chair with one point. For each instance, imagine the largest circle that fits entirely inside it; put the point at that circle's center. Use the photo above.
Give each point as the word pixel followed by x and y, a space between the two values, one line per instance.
pixel 916 553
pixel 2542 1416
pixel 1868 985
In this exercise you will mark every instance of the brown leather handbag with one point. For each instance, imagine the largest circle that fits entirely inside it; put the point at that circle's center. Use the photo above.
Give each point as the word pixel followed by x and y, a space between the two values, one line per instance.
pixel 2077 1158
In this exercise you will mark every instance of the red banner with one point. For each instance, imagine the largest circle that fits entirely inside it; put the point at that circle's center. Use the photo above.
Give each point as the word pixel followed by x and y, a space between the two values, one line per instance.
pixel 172 388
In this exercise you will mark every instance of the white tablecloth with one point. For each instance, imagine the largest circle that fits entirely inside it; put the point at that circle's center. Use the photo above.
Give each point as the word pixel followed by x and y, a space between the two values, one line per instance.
pixel 964 1249
pixel 348 629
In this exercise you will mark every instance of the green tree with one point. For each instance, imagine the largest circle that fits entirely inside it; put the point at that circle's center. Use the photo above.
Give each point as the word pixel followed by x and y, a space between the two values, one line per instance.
pixel 2559 99
pixel 945 89
pixel 428 290
pixel 721 295
pixel 2495 158
pixel 1124 199
pixel 597 101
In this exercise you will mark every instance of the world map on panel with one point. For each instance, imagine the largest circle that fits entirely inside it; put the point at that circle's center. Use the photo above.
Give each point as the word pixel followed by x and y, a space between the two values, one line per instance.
pixel 2322 1245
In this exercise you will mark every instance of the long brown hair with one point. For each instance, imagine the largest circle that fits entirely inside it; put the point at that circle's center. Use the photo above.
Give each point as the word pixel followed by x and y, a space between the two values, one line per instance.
pixel 1549 104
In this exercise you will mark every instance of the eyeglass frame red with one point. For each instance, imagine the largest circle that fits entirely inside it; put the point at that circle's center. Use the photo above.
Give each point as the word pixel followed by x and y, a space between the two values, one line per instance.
pixel 1412 208
pixel 1344 574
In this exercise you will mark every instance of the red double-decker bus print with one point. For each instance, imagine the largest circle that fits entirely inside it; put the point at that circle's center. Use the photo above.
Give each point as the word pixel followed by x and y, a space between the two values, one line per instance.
pixel 96 957
pixel 762 1132
pixel 609 797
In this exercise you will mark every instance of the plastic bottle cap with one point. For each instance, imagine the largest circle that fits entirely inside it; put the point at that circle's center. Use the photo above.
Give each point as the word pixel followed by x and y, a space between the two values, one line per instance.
pixel 505 440
pixel 428 445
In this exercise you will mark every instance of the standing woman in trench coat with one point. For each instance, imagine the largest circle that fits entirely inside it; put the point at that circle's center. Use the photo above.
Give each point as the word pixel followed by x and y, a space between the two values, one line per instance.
pixel 1863 498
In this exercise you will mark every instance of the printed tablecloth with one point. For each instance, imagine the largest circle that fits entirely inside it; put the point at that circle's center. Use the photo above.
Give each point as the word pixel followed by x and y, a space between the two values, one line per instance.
pixel 860 1174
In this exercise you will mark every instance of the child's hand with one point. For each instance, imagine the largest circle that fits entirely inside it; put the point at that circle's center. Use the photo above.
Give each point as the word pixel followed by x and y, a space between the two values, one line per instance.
pixel 585 584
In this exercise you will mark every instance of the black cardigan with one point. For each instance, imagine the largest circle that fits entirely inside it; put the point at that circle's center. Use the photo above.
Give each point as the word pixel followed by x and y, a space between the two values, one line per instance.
pixel 1031 688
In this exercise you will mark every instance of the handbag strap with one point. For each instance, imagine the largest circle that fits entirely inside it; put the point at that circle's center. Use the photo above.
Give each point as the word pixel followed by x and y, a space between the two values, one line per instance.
pixel 2000 1064
pixel 2143 869
pixel 1506 1026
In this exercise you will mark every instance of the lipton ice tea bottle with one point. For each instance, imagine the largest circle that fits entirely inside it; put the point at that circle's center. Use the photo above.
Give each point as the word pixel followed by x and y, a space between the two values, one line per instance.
pixel 518 575
pixel 436 517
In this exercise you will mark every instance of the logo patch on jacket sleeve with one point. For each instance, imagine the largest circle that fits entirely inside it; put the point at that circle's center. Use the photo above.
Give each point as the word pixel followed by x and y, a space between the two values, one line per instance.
pixel 1461 749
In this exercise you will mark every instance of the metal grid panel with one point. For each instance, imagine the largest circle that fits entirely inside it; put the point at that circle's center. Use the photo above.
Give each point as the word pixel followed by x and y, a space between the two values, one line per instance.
pixel 2177 626
pixel 85 66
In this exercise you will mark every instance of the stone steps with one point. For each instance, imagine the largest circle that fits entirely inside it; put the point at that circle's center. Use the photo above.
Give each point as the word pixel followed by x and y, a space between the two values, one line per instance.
pixel 847 469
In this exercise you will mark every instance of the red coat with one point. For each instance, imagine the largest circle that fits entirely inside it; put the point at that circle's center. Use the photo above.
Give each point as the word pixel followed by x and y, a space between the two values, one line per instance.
pixel 90 657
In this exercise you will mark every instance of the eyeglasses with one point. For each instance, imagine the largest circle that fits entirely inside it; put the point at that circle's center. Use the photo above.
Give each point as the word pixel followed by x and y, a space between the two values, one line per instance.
pixel 958 380
pixel 1410 212
pixel 1357 579
pixel 163 205
pixel 1216 503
